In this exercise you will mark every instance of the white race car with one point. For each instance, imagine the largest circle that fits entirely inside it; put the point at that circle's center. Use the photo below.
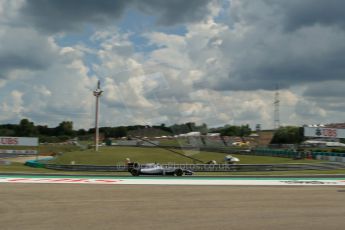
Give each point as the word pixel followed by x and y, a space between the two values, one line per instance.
pixel 155 169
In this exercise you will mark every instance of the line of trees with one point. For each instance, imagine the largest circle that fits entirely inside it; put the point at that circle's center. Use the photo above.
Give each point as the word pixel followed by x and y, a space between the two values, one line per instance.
pixel 26 128
pixel 65 130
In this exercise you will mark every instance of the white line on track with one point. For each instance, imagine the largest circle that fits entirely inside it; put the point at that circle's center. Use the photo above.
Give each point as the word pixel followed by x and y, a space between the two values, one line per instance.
pixel 173 181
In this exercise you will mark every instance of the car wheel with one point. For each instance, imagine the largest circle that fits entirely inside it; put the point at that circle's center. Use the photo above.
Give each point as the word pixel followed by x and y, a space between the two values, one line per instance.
pixel 178 172
pixel 135 172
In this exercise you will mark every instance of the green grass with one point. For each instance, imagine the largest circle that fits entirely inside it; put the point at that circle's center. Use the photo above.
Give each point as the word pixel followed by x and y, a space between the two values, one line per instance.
pixel 117 155
pixel 20 167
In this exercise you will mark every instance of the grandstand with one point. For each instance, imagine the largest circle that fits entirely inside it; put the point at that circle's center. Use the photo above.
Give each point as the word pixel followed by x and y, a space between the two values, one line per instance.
pixel 261 139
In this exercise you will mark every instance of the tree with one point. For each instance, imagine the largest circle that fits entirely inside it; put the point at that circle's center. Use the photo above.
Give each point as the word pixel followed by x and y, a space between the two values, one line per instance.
pixel 232 130
pixel 6 132
pixel 245 130
pixel 191 126
pixel 81 132
pixel 120 131
pixel 203 129
pixel 26 128
pixel 45 130
pixel 108 132
pixel 65 128
pixel 288 135
pixel 180 128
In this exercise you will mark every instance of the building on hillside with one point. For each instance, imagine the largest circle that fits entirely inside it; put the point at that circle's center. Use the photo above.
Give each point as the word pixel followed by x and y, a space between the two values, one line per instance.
pixel 264 138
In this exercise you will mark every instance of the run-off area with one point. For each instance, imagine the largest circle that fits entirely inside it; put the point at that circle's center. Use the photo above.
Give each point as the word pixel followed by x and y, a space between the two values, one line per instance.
pixel 175 181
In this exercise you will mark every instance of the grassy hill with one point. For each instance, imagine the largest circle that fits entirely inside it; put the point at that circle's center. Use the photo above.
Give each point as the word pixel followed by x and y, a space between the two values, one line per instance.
pixel 118 155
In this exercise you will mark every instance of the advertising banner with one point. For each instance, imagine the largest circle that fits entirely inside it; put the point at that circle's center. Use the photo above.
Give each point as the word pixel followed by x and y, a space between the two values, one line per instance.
pixel 324 132
pixel 18 141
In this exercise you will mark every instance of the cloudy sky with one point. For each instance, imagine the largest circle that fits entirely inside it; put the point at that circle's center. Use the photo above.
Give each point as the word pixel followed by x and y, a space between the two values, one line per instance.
pixel 207 61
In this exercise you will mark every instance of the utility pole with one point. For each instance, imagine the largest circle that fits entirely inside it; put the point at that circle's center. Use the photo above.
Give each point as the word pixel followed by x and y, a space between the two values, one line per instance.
pixel 97 93
pixel 276 110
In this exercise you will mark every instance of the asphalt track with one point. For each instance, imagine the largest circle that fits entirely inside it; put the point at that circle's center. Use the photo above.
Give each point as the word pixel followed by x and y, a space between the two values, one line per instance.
pixel 170 180
pixel 114 206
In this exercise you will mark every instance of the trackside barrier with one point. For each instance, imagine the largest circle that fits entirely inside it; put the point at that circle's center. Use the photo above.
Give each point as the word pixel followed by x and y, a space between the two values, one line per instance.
pixel 97 168
pixel 207 167
pixel 35 164
pixel 334 158
pixel 11 155
pixel 277 153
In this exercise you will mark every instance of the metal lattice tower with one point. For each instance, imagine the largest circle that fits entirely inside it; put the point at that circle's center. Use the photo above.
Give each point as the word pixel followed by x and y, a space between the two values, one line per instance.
pixel 276 110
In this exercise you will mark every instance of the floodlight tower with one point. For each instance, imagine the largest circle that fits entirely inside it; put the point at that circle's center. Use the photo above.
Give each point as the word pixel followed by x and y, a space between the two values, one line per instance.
pixel 276 109
pixel 97 93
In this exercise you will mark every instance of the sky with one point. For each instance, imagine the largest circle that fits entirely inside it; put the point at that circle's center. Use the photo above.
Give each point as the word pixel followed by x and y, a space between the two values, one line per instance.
pixel 205 61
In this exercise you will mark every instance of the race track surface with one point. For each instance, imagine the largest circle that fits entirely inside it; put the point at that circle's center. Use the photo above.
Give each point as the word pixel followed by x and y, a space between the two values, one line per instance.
pixel 170 180
pixel 112 206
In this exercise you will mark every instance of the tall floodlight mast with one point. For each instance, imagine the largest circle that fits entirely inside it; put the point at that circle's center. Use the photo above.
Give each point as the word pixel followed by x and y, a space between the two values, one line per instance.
pixel 97 93
pixel 276 110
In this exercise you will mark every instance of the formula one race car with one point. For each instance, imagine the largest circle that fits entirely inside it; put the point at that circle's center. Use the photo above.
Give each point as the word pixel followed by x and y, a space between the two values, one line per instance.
pixel 155 169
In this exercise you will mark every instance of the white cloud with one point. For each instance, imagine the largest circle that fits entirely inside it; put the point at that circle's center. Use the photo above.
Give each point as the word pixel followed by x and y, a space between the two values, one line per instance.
pixel 222 69
pixel 12 106
pixel 9 10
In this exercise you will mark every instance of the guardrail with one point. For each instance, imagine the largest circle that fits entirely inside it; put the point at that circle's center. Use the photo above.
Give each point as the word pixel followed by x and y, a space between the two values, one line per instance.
pixel 12 155
pixel 206 167
pixel 257 167
pixel 96 168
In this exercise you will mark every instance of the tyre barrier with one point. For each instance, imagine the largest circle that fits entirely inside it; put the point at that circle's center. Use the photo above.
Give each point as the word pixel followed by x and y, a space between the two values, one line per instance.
pixel 35 164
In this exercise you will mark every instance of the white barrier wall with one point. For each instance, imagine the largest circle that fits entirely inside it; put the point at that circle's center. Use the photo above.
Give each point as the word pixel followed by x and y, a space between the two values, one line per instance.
pixel 18 141
pixel 330 158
